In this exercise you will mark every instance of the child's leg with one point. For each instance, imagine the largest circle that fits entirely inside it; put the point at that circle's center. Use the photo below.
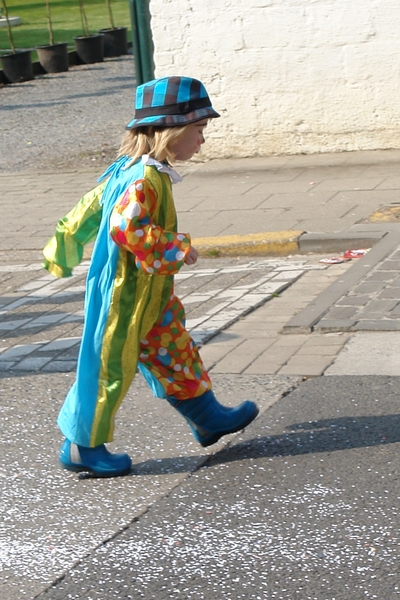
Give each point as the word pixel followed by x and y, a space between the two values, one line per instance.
pixel 170 355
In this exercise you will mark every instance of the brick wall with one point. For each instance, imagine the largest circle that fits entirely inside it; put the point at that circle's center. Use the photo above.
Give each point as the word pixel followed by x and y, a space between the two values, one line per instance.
pixel 288 76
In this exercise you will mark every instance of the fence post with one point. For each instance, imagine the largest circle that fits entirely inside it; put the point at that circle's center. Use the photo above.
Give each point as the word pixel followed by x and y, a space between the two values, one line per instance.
pixel 142 40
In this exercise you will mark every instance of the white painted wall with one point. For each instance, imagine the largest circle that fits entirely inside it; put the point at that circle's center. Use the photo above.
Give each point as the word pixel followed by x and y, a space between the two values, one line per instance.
pixel 288 76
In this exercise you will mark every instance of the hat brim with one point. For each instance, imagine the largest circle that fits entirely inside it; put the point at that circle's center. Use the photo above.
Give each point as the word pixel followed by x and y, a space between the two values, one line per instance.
pixel 174 120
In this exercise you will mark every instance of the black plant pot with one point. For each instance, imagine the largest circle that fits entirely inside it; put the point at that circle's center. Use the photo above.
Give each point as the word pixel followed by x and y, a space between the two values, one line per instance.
pixel 90 49
pixel 115 41
pixel 18 67
pixel 54 58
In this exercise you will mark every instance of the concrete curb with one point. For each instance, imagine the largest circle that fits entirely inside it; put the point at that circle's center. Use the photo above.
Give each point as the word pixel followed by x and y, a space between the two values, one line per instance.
pixel 279 243
pixel 284 243
pixel 274 243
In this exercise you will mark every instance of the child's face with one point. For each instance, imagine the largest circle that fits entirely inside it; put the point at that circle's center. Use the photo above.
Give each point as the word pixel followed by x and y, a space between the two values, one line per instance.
pixel 190 142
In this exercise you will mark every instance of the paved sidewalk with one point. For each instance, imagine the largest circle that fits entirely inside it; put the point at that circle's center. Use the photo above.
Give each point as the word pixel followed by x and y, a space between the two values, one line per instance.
pixel 41 318
pixel 278 206
pixel 328 195
pixel 327 201
pixel 365 299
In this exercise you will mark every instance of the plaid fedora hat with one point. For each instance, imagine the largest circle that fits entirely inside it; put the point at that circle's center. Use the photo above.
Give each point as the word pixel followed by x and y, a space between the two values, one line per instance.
pixel 171 102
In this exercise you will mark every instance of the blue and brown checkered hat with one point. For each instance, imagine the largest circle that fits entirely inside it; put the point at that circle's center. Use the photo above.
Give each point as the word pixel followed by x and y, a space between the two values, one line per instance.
pixel 171 102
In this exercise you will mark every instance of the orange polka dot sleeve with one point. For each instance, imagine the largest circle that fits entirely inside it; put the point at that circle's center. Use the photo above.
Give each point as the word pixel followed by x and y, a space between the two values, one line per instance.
pixel 132 227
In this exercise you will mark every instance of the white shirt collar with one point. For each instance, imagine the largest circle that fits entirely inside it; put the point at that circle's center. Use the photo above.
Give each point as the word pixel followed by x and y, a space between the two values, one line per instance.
pixel 162 167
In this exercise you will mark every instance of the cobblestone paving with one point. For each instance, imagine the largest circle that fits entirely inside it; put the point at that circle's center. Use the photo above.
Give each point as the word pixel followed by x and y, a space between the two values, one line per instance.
pixel 41 317
pixel 372 304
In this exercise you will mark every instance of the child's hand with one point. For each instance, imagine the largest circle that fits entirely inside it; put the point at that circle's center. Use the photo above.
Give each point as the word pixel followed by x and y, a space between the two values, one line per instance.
pixel 191 257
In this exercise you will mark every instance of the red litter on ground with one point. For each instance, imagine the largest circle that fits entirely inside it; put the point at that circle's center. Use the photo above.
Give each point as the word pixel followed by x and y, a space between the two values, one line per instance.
pixel 346 256
pixel 355 253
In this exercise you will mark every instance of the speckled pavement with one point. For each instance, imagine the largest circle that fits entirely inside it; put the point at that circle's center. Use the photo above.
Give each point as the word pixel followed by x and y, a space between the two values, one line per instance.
pixel 303 505
pixel 50 518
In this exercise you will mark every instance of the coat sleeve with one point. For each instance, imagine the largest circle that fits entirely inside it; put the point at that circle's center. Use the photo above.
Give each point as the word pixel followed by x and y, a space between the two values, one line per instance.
pixel 80 226
pixel 132 227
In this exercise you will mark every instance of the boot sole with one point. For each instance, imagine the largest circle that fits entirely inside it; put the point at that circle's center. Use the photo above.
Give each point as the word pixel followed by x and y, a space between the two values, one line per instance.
pixel 213 439
pixel 83 469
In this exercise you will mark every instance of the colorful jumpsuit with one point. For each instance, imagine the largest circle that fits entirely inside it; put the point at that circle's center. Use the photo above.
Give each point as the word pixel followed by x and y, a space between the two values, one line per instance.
pixel 132 317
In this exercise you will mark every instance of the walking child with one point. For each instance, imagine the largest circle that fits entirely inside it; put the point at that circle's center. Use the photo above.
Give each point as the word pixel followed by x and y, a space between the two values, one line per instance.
pixel 133 320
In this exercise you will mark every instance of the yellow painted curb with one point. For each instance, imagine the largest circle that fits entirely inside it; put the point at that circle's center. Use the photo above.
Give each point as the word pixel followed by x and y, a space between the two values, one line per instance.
pixel 271 243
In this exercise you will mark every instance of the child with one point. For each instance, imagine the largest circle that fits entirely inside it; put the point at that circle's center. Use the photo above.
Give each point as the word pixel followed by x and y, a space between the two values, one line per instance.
pixel 132 317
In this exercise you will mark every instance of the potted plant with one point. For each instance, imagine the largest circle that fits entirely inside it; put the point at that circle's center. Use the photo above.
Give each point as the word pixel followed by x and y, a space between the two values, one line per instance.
pixel 89 48
pixel 115 38
pixel 17 66
pixel 53 57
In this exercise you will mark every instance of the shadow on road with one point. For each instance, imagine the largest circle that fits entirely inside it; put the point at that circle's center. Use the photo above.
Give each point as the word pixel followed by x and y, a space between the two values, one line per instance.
pixel 328 435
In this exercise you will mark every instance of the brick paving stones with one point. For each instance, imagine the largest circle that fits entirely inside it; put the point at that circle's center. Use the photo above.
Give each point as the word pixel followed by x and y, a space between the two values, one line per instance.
pixel 41 317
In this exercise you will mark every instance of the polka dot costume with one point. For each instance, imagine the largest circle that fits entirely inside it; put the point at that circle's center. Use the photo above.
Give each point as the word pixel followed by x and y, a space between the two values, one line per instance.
pixel 132 228
pixel 171 356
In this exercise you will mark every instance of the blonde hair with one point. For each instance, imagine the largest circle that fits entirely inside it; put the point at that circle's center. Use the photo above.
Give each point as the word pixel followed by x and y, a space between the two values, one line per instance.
pixel 154 141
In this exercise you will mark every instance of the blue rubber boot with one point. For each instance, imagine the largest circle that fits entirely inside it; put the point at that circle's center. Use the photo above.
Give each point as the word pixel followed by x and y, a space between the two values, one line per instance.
pixel 98 461
pixel 209 420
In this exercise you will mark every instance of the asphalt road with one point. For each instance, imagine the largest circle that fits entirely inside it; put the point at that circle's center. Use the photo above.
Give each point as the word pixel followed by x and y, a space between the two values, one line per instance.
pixel 303 505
